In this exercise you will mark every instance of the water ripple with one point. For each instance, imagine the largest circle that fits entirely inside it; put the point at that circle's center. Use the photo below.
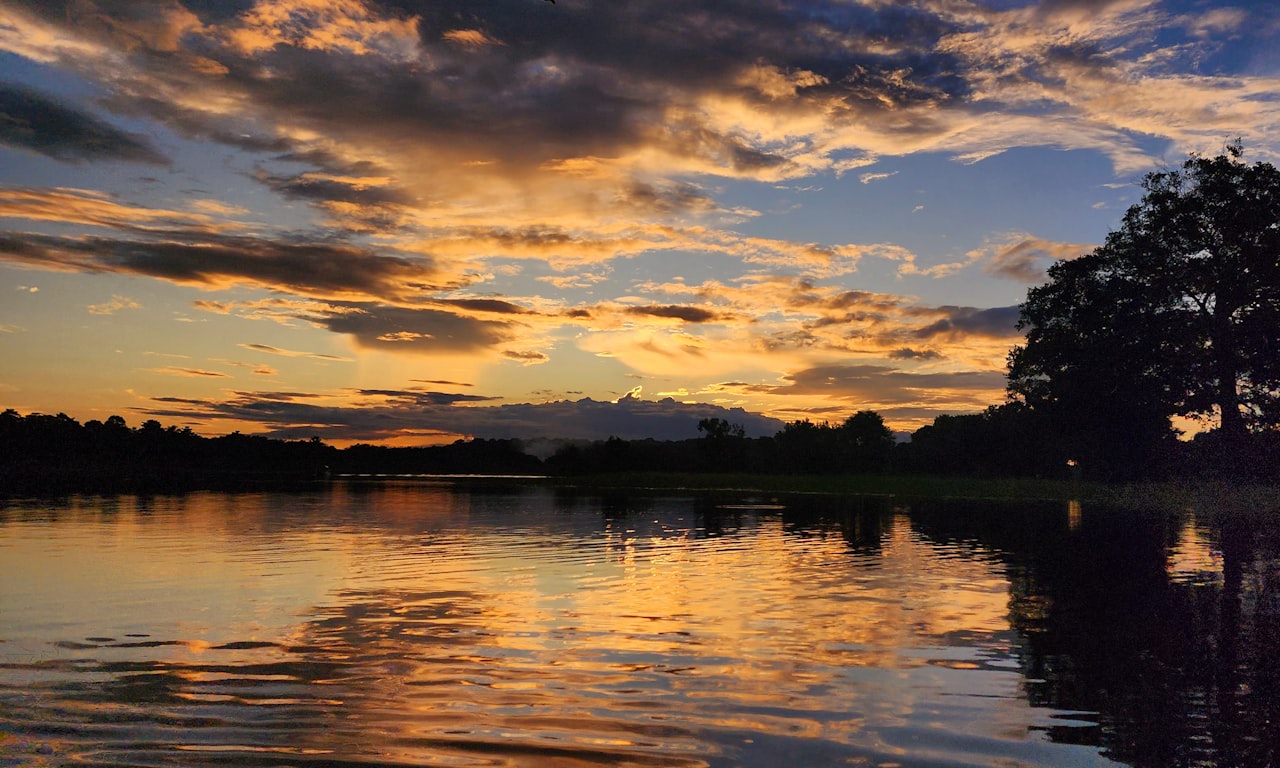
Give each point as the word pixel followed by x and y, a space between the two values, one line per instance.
pixel 402 626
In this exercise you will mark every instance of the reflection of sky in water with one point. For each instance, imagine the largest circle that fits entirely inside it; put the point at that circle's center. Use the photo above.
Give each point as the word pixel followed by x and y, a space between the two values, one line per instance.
pixel 407 624
pixel 1194 558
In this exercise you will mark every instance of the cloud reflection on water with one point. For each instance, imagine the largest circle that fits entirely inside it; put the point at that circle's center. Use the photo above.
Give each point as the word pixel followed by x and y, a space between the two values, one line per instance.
pixel 406 623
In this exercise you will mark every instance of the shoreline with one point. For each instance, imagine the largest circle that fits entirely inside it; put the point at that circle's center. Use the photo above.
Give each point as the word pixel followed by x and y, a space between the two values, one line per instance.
pixel 1204 497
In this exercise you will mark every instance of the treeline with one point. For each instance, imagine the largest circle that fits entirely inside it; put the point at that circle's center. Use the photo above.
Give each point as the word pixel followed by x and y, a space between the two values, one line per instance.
pixel 1009 440
pixel 41 453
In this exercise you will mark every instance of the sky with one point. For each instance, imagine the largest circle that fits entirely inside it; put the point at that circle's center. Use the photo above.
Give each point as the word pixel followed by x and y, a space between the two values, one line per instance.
pixel 409 222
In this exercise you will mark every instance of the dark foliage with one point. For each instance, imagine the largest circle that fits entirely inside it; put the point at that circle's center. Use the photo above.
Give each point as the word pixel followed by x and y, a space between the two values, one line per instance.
pixel 1177 314
pixel 862 444
pixel 1003 441
pixel 488 457
pixel 54 454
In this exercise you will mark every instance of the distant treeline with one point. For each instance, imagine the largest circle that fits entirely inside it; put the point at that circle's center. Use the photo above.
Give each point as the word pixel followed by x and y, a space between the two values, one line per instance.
pixel 1009 440
pixel 40 453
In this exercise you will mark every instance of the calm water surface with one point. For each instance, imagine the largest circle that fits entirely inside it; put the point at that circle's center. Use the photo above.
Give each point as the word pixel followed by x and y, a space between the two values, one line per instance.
pixel 413 623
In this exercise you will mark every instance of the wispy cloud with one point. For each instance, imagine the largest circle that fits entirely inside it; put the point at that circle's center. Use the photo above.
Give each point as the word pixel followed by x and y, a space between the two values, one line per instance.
pixel 293 353
pixel 32 121
pixel 189 372
pixel 113 306
pixel 867 178
pixel 1025 258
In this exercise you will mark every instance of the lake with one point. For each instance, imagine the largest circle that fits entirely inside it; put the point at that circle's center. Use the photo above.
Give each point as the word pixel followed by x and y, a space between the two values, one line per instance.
pixel 425 622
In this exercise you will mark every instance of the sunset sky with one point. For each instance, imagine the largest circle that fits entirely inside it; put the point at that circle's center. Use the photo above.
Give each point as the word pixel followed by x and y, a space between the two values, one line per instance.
pixel 413 221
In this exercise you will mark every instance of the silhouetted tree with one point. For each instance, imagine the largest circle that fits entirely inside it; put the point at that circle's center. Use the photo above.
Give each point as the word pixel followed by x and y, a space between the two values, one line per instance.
pixel 723 445
pixel 720 429
pixel 1008 440
pixel 1177 313
pixel 866 443
pixel 807 448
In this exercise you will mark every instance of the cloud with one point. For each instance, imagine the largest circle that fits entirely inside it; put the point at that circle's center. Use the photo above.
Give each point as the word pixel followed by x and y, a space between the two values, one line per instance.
pixel 957 322
pixel 352 28
pixel 116 304
pixel 474 38
pixel 867 178
pixel 422 398
pixel 371 415
pixel 1025 258
pixel 32 121
pixel 292 353
pixel 443 382
pixel 907 353
pixel 96 209
pixel 879 385
pixel 766 92
pixel 684 313
pixel 189 372
pixel 335 189
pixel 406 164
pixel 526 357
pixel 400 329
pixel 210 260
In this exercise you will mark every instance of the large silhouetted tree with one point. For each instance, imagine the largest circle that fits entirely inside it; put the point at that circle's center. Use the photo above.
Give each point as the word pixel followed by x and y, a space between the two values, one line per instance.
pixel 867 442
pixel 1177 313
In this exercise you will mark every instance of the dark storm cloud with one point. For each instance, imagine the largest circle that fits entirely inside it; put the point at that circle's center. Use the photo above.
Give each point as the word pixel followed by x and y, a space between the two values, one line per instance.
pixel 995 323
pixel 326 190
pixel 569 80
pixel 400 329
pixel 415 397
pixel 283 396
pixel 32 121
pixel 324 269
pixel 139 102
pixel 432 413
pixel 676 312
pixel 673 197
pixel 494 306
pixel 907 353
pixel 328 161
pixel 689 43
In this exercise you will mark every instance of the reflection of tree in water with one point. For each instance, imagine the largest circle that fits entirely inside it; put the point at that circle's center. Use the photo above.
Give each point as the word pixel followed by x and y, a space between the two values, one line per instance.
pixel 861 521
pixel 1182 672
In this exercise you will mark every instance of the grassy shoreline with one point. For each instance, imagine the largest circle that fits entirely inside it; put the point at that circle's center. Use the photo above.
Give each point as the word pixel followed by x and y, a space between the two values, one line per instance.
pixel 1206 498
pixel 1200 496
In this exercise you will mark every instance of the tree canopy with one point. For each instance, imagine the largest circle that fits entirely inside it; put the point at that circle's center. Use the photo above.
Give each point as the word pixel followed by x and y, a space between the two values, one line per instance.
pixel 1176 314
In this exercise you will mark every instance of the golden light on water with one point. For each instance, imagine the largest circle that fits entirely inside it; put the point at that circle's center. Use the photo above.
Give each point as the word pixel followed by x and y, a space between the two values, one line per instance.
pixel 1195 558
pixel 1074 514
pixel 440 625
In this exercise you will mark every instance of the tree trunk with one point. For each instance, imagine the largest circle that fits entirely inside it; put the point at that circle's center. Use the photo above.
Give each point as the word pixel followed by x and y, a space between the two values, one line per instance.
pixel 1233 427
pixel 1234 432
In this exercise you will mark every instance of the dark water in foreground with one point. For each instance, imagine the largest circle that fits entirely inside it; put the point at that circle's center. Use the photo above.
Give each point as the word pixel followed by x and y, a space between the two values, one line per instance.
pixel 409 623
